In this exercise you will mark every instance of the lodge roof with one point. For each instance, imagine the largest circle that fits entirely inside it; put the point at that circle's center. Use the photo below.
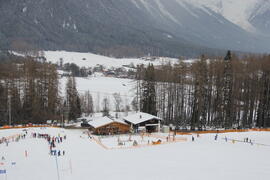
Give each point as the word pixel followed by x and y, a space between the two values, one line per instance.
pixel 103 121
pixel 140 117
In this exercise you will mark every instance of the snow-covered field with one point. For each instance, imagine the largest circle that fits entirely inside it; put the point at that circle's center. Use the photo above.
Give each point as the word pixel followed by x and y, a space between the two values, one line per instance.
pixel 101 87
pixel 91 60
pixel 204 158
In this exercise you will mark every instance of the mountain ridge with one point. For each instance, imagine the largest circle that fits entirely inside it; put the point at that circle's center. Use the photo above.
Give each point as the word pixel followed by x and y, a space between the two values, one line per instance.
pixel 127 27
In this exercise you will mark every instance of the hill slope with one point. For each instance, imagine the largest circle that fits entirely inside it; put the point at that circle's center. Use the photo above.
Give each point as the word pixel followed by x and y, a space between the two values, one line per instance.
pixel 132 27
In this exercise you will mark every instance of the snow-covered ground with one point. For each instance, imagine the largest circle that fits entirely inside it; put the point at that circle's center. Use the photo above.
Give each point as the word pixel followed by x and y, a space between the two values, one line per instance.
pixel 91 60
pixel 101 87
pixel 203 159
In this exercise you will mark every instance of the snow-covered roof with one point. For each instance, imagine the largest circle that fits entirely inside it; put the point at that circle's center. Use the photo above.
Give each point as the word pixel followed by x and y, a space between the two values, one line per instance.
pixel 120 121
pixel 102 121
pixel 140 117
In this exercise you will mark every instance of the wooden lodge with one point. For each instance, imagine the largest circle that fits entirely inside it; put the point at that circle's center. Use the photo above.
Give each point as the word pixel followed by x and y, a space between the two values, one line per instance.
pixel 107 126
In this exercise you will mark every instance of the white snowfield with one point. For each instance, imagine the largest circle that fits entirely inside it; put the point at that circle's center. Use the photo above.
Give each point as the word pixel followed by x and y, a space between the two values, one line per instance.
pixel 91 60
pixel 236 11
pixel 204 159
pixel 101 87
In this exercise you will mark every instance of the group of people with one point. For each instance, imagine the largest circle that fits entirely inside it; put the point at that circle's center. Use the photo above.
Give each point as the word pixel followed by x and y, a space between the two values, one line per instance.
pixel 168 138
pixel 247 140
pixel 16 138
pixel 52 141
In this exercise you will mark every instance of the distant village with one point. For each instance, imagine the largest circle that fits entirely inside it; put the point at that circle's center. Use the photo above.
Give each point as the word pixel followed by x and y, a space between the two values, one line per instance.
pixel 126 71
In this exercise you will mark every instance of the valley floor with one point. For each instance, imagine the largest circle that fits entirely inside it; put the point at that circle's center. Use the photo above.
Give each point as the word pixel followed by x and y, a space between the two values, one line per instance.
pixel 205 158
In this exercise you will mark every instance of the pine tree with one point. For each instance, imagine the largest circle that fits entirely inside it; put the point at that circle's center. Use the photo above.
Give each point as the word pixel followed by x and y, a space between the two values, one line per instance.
pixel 228 90
pixel 148 99
pixel 106 105
pixel 72 99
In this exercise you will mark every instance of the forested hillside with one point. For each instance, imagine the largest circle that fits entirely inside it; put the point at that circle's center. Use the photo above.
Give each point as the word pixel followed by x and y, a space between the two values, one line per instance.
pixel 228 92
pixel 134 27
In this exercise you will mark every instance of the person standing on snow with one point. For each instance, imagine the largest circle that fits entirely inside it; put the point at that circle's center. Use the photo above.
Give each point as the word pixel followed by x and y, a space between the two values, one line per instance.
pixel 216 137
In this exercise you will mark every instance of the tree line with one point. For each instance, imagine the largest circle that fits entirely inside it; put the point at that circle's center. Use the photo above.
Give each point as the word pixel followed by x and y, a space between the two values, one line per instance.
pixel 230 92
pixel 28 91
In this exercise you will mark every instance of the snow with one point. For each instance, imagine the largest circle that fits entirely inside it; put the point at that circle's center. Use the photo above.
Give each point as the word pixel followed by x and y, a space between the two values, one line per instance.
pixel 140 117
pixel 75 27
pixel 235 11
pixel 91 60
pixel 166 13
pixel 24 9
pixel 102 121
pixel 184 5
pixel 239 12
pixel 112 142
pixel 119 121
pixel 101 87
pixel 98 122
pixel 203 159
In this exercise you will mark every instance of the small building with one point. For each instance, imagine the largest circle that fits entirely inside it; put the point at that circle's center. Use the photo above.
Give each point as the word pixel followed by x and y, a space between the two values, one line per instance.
pixel 108 126
pixel 143 121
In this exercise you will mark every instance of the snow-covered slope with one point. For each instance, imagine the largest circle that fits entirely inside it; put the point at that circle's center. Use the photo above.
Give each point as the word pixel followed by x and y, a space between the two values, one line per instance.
pixel 239 12
pixel 84 159
pixel 91 60
pixel 101 87
pixel 130 27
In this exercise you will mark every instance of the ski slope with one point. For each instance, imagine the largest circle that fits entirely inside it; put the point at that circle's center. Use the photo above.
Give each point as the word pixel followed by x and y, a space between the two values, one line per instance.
pixel 204 159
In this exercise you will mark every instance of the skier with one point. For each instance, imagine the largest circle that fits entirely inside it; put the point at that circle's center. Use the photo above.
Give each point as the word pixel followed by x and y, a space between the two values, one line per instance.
pixel 64 153
pixel 59 153
pixel 192 138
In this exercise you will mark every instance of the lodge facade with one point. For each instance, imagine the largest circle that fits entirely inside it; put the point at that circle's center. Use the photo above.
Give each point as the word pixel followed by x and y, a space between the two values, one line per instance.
pixel 107 126
pixel 138 122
